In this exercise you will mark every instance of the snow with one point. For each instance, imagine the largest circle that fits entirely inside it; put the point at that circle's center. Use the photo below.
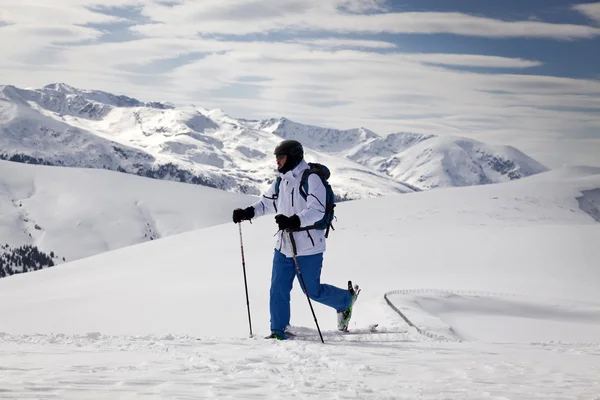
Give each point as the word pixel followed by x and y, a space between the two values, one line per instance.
pixel 505 278
pixel 155 367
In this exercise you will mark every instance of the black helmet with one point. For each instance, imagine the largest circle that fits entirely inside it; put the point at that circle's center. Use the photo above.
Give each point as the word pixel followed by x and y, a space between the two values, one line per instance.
pixel 294 152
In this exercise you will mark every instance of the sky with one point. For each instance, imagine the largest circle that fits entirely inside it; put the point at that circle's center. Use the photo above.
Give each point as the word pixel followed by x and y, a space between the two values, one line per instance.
pixel 521 73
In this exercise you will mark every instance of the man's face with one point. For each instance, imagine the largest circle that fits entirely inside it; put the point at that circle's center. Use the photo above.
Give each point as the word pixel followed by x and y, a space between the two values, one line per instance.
pixel 281 161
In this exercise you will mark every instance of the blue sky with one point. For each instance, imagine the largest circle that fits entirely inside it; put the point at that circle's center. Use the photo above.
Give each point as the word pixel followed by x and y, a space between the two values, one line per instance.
pixel 524 73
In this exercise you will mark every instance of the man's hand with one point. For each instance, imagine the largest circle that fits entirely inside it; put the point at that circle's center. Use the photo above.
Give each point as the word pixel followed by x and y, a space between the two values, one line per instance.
pixel 287 223
pixel 240 215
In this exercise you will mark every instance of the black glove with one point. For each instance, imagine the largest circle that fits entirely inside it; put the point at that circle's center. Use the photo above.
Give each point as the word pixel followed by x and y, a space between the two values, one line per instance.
pixel 240 215
pixel 287 223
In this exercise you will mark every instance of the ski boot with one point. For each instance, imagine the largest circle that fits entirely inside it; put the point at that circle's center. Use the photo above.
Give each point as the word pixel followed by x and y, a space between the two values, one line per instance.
pixel 343 317
pixel 275 336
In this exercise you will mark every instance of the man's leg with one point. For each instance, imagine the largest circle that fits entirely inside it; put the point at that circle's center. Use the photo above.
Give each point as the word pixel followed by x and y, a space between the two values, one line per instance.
pixel 331 296
pixel 282 279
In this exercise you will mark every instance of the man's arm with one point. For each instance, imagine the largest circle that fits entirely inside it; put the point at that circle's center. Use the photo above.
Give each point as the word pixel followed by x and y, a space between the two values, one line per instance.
pixel 266 204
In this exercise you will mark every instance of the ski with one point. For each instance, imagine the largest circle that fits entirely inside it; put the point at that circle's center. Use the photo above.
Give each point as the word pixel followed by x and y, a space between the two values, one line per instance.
pixel 370 333
pixel 310 334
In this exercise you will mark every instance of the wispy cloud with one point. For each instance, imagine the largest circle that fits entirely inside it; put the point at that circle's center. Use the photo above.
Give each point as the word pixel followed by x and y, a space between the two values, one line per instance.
pixel 472 60
pixel 452 23
pixel 332 43
pixel 591 10
pixel 39 12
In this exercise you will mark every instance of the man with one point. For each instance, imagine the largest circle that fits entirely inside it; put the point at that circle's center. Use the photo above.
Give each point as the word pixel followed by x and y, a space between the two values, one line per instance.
pixel 295 212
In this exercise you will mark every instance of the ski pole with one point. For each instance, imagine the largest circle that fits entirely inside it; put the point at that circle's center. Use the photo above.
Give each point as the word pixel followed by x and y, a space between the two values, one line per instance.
pixel 245 281
pixel 293 242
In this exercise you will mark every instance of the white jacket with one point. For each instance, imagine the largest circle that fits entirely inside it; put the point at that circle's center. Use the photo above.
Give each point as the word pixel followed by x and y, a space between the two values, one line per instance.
pixel 290 202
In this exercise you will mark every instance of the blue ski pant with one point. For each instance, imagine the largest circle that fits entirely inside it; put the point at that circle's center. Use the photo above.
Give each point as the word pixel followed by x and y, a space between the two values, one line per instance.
pixel 282 280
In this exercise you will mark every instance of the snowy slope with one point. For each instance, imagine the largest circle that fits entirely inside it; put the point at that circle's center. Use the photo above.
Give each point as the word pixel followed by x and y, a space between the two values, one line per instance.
pixel 502 238
pixel 77 213
pixel 121 321
pixel 62 125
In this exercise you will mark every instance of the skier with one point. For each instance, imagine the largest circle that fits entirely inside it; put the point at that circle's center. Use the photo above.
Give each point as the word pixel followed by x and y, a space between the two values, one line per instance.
pixel 294 212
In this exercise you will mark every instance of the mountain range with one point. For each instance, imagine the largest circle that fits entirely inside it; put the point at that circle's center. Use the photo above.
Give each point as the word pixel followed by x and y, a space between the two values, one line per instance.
pixel 64 126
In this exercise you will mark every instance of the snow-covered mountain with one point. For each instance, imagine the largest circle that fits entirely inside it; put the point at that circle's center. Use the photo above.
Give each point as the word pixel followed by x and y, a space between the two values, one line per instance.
pixel 515 312
pixel 56 127
pixel 65 126
pixel 428 161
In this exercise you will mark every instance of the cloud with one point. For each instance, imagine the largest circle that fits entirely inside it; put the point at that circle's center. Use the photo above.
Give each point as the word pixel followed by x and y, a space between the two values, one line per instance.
pixel 590 10
pixel 241 17
pixel 43 12
pixel 452 23
pixel 472 60
pixel 362 6
pixel 41 44
pixel 346 43
pixel 37 31
pixel 293 74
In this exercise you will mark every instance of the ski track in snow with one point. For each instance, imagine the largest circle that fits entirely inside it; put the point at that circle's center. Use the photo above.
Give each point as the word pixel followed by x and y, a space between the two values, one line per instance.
pixel 428 320
pixel 150 228
pixel 98 366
